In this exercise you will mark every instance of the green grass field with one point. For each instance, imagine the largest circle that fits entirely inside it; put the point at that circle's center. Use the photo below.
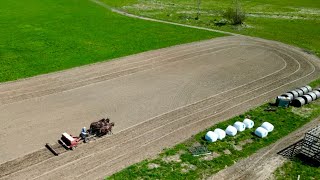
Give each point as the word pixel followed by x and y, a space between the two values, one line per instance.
pixel 42 36
pixel 295 22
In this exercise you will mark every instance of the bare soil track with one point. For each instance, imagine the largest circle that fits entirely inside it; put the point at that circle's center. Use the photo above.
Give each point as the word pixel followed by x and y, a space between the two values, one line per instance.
pixel 156 99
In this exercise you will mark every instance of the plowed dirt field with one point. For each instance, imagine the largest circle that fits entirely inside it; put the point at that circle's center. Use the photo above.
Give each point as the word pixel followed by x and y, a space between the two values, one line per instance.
pixel 156 99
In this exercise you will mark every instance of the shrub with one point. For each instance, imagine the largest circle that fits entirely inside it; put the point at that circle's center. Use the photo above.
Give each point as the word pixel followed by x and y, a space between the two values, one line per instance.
pixel 235 14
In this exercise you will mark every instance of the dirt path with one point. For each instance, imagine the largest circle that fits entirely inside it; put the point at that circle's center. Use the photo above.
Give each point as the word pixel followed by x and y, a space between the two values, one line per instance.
pixel 157 20
pixel 156 99
pixel 262 164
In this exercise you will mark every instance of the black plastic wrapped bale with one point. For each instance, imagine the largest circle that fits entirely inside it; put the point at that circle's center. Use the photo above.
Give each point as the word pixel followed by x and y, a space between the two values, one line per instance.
pixel 298 102
pixel 307 98
pixel 283 101
pixel 294 93
pixel 317 93
pixel 299 91
pixel 313 95
pixel 288 95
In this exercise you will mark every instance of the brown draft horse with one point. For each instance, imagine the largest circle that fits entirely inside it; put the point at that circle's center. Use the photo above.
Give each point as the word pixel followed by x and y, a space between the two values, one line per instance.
pixel 101 127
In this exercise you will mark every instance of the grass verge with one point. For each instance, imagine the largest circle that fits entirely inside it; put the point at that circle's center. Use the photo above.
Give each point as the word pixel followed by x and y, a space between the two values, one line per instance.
pixel 39 37
pixel 295 22
pixel 178 162
pixel 296 167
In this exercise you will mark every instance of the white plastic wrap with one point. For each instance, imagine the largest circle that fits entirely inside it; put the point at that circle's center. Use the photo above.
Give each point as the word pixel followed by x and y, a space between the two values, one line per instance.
pixel 261 132
pixel 248 123
pixel 231 131
pixel 239 126
pixel 268 126
pixel 211 136
pixel 221 133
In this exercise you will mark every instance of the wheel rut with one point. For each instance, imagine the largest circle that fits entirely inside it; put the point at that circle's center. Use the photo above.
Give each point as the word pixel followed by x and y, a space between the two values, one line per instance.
pixel 110 154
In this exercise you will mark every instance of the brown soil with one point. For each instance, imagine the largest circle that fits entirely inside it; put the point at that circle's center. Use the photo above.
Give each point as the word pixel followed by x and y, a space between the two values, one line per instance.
pixel 211 156
pixel 227 151
pixel 153 166
pixel 174 158
pixel 247 141
pixel 186 167
pixel 156 99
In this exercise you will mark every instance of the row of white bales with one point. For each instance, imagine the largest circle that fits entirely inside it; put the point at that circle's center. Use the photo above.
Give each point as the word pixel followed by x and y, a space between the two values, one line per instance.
pixel 219 134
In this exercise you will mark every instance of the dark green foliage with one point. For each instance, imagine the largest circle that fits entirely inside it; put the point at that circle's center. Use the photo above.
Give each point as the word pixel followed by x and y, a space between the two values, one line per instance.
pixel 235 14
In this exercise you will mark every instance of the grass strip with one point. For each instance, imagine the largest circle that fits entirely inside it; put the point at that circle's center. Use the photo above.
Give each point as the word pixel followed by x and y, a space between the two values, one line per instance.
pixel 293 22
pixel 294 168
pixel 39 37
pixel 178 163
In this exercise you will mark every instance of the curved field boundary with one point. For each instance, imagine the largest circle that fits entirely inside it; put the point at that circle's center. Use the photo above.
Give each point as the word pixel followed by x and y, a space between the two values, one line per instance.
pixel 51 84
pixel 148 138
pixel 164 130
pixel 157 20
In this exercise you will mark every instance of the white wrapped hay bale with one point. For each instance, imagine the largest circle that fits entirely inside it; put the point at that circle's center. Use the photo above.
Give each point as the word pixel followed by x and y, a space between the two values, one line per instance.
pixel 261 132
pixel 221 133
pixel 239 126
pixel 268 126
pixel 248 123
pixel 231 131
pixel 211 136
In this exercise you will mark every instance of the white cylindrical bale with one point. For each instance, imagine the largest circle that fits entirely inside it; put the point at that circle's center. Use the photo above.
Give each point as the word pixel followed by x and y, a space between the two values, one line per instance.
pixel 299 91
pixel 221 133
pixel 317 93
pixel 211 136
pixel 240 126
pixel 304 89
pixel 231 131
pixel 307 98
pixel 313 95
pixel 309 88
pixel 268 126
pixel 294 93
pixel 261 132
pixel 248 123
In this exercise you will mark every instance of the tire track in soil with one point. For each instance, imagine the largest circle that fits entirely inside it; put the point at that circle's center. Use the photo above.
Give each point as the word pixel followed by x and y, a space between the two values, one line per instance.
pixel 165 130
pixel 42 86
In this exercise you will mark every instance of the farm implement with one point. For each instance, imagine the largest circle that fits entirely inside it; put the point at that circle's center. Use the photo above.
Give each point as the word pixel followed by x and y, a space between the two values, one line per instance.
pixel 70 142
